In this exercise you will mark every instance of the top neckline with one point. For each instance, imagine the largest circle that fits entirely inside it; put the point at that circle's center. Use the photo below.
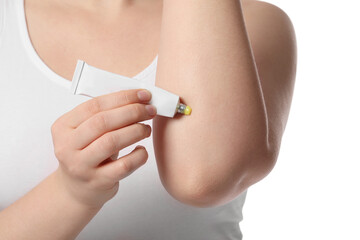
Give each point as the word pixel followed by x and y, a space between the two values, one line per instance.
pixel 45 68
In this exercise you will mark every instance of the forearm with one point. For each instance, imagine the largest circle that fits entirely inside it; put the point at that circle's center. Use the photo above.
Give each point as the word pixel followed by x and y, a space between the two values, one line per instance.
pixel 205 57
pixel 46 212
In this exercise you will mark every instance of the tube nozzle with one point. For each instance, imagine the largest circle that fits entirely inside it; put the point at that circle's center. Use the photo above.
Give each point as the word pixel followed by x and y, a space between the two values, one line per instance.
pixel 183 109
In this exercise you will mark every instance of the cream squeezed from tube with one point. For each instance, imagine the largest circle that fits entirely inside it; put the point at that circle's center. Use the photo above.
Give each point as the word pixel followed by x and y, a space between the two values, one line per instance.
pixel 92 82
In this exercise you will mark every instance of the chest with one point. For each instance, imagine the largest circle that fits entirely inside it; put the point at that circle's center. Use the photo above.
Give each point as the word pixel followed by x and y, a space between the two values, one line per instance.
pixel 124 45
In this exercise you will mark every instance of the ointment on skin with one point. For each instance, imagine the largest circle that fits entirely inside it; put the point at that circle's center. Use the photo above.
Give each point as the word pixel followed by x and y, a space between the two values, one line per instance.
pixel 92 82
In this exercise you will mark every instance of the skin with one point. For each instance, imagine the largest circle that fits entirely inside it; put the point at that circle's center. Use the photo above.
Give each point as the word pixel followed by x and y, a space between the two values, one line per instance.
pixel 124 41
pixel 235 66
pixel 81 26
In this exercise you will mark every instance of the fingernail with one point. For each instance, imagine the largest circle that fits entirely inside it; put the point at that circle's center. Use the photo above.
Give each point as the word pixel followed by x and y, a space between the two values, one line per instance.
pixel 151 109
pixel 139 146
pixel 144 95
pixel 149 129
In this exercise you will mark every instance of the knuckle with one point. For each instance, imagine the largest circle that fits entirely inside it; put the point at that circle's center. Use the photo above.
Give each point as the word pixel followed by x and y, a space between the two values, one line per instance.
pixel 56 127
pixel 74 167
pixel 63 151
pixel 125 166
pixel 100 122
pixel 109 143
pixel 94 105
pixel 137 111
pixel 61 134
pixel 126 97
pixel 76 170
pixel 60 153
pixel 122 98
pixel 130 96
pixel 119 98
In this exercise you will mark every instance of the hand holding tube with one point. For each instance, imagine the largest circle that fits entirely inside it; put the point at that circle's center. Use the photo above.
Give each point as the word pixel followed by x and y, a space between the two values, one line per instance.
pixel 92 82
pixel 87 136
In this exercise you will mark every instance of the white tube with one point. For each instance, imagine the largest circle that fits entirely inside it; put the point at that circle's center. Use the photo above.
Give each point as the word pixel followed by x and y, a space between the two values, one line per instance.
pixel 92 82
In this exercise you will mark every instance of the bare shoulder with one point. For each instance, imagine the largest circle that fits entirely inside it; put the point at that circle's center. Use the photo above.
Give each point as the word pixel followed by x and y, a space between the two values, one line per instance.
pixel 273 41
pixel 264 19
pixel 260 10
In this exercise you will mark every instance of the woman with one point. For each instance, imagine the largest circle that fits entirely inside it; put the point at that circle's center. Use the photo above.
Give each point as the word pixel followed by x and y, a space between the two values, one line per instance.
pixel 56 174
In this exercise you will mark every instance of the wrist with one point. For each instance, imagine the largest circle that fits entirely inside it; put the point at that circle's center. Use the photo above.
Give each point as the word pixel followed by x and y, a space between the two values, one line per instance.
pixel 61 186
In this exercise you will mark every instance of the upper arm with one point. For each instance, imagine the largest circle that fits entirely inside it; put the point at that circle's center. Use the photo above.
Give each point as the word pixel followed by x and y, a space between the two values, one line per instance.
pixel 273 42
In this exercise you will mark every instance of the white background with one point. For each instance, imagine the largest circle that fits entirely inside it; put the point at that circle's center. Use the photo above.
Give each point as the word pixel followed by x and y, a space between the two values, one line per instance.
pixel 314 190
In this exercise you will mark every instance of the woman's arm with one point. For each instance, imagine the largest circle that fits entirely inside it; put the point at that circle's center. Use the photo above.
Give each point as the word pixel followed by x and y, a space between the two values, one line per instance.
pixel 46 212
pixel 232 138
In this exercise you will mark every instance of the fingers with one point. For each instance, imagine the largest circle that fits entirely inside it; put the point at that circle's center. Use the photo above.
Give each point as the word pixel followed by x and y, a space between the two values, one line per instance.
pixel 124 166
pixel 98 104
pixel 110 120
pixel 112 142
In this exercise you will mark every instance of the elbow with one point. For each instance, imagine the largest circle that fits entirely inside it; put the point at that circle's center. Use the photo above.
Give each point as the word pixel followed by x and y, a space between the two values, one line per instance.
pixel 216 189
pixel 216 186
pixel 189 192
pixel 204 191
pixel 197 197
pixel 209 195
pixel 197 191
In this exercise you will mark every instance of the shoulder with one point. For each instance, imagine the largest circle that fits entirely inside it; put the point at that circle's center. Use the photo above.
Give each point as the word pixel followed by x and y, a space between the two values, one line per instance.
pixel 268 25
pixel 264 9
pixel 267 17
pixel 272 37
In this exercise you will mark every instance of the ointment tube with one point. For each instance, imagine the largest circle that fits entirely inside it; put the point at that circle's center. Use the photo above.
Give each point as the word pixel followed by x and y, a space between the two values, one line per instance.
pixel 92 82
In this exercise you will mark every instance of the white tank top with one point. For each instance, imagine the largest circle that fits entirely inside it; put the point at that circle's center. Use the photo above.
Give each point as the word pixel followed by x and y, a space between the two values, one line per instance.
pixel 32 97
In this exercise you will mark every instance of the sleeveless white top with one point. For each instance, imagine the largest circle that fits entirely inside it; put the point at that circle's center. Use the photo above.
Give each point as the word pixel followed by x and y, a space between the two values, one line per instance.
pixel 32 97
